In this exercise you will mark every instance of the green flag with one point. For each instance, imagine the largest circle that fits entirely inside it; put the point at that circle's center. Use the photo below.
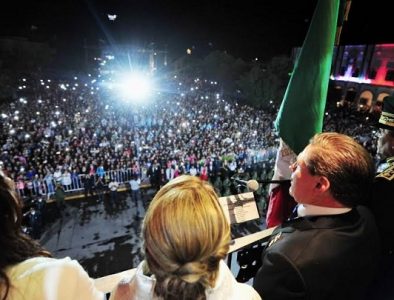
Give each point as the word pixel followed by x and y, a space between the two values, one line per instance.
pixel 302 110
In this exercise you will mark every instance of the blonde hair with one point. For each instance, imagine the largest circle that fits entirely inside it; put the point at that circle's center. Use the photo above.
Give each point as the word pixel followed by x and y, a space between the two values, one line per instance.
pixel 345 163
pixel 185 236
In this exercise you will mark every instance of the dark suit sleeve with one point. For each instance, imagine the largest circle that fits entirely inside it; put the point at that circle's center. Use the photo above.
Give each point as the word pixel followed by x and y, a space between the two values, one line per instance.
pixel 278 278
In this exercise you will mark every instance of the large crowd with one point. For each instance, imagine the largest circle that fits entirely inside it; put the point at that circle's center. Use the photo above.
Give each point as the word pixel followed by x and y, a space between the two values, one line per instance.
pixel 60 131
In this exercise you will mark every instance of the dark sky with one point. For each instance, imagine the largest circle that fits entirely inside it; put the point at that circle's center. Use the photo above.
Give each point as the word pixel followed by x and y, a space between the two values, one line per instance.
pixel 244 28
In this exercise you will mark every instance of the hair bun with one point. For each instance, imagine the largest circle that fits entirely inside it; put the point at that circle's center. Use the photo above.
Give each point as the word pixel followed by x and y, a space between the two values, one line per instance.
pixel 192 272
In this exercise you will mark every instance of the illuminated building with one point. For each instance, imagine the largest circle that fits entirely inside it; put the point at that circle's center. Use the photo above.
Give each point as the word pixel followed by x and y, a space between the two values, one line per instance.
pixel 362 75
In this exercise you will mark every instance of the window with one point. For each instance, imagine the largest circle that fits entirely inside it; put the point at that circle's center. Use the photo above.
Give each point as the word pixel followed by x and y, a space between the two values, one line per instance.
pixel 372 74
pixel 390 75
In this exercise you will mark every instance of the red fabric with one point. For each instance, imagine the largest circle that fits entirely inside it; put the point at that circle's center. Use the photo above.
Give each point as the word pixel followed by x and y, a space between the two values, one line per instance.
pixel 280 205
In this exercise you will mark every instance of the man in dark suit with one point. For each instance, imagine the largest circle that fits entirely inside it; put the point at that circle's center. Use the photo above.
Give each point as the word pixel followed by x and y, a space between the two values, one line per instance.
pixel 154 174
pixel 330 249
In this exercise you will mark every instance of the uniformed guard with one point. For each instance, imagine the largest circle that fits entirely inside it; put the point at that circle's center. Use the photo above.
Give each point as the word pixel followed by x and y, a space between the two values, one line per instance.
pixel 382 201
pixel 383 194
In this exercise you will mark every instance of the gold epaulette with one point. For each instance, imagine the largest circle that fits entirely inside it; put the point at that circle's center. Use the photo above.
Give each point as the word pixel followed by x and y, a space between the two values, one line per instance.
pixel 388 173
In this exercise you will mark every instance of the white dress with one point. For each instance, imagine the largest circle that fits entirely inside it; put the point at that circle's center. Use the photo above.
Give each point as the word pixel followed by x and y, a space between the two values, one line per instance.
pixel 43 278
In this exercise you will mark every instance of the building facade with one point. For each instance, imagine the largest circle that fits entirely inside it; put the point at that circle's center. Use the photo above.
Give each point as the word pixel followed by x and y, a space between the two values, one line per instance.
pixel 362 75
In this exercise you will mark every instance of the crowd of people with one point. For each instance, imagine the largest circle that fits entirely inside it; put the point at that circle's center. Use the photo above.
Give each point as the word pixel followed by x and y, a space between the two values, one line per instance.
pixel 61 136
pixel 63 132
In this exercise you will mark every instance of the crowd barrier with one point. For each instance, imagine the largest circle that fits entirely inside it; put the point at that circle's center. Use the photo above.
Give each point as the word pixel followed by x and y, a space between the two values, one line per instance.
pixel 46 188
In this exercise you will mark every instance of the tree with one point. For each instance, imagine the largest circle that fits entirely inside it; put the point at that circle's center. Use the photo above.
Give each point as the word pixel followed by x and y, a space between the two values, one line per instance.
pixel 221 66
pixel 265 84
pixel 187 66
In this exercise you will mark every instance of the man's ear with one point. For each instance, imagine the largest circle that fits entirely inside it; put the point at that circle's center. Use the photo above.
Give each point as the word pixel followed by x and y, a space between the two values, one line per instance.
pixel 323 184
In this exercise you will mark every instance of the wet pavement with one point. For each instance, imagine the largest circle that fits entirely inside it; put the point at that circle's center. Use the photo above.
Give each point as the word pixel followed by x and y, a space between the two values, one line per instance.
pixel 104 236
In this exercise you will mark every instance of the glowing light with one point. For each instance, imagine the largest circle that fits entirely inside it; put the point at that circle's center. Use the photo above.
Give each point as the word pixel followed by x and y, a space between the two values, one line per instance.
pixel 112 17
pixel 135 86
pixel 353 79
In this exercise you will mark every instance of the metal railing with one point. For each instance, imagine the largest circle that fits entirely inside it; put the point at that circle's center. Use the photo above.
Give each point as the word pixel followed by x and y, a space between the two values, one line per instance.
pixel 46 188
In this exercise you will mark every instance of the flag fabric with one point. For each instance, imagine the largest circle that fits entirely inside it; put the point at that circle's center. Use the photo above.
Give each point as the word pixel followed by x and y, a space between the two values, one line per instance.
pixel 301 113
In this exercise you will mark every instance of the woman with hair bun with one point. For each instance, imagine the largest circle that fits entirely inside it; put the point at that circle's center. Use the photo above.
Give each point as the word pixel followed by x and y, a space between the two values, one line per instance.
pixel 186 237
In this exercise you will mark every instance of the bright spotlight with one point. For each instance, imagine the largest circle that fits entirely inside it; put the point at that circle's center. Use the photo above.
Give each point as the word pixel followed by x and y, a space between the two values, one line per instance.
pixel 135 86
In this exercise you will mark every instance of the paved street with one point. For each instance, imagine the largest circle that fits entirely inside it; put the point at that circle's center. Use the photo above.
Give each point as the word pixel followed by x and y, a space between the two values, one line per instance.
pixel 103 236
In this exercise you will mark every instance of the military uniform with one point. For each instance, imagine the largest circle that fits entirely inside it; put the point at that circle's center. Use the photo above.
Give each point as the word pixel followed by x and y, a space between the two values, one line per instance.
pixel 382 205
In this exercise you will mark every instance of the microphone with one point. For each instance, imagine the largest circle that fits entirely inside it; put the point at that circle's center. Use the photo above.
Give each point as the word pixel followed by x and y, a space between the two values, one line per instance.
pixel 250 184
pixel 254 184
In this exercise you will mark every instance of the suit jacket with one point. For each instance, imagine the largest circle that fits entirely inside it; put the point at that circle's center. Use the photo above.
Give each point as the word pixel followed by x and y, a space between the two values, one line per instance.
pixel 320 257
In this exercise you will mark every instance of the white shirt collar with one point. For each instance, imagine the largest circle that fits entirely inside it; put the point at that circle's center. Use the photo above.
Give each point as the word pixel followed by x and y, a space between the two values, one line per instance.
pixel 304 210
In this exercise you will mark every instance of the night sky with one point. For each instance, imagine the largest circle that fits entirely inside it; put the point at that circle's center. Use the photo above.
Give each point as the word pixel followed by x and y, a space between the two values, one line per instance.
pixel 245 29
